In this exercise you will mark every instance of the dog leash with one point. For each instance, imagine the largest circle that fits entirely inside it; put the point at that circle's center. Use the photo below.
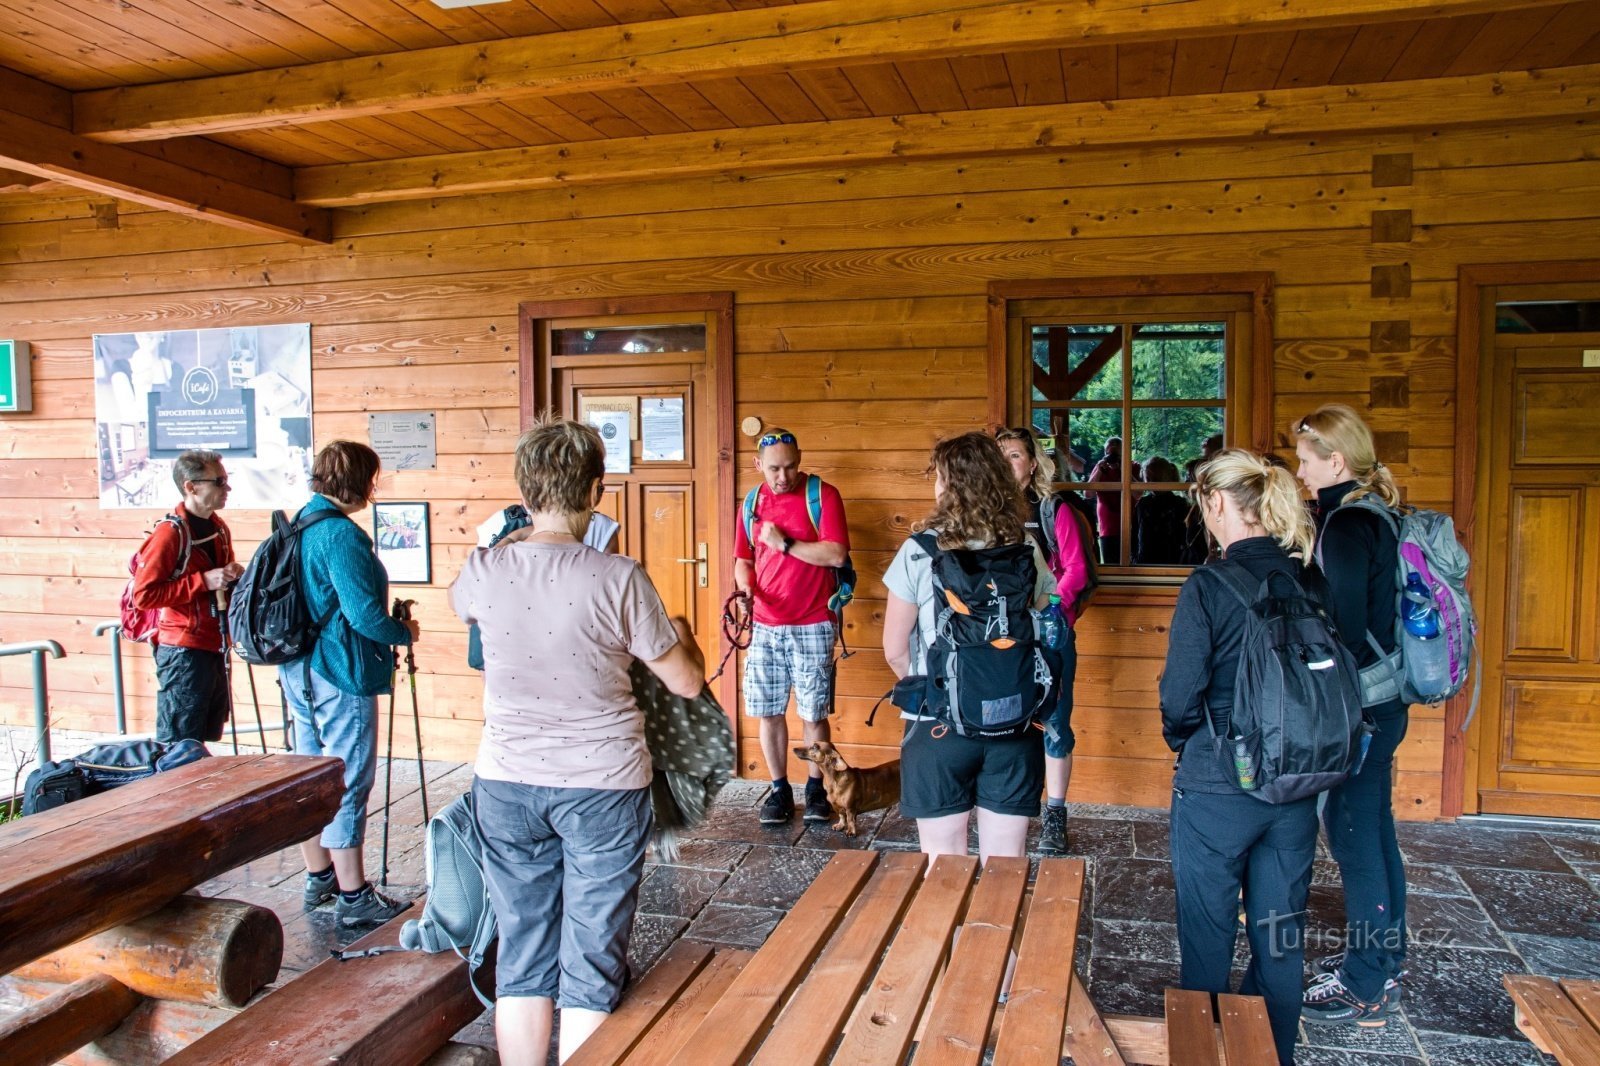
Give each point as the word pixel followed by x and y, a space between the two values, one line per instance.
pixel 735 631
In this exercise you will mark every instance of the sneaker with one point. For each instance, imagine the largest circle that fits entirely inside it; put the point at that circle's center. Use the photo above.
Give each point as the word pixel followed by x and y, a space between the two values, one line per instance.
pixel 1334 963
pixel 1053 831
pixel 818 809
pixel 320 890
pixel 778 808
pixel 1328 1000
pixel 369 908
pixel 1391 998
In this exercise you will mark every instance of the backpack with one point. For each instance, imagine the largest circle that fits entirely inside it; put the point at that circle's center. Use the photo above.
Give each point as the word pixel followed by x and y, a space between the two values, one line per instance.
pixel 458 915
pixel 142 623
pixel 269 620
pixel 844 575
pixel 52 785
pixel 987 675
pixel 516 518
pixel 102 768
pixel 1296 727
pixel 1429 549
pixel 1048 508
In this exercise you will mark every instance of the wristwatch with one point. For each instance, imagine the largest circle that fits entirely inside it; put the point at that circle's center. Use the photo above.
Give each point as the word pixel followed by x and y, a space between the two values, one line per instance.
pixel 788 542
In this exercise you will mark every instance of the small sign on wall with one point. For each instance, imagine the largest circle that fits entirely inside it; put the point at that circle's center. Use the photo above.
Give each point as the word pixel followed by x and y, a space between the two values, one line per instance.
pixel 16 377
pixel 405 440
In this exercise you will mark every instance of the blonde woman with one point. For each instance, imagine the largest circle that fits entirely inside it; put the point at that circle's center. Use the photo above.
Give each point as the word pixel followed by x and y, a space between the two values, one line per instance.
pixel 1224 840
pixel 1357 550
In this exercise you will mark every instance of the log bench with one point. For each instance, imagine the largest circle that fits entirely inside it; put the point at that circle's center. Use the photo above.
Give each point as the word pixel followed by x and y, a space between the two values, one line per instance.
pixel 877 959
pixel 1562 1018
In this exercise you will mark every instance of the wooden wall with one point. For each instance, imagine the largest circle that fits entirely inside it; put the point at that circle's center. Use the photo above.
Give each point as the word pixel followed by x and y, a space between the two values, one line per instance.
pixel 860 324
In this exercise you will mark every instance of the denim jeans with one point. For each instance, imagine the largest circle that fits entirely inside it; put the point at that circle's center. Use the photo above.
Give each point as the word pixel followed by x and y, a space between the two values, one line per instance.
pixel 344 726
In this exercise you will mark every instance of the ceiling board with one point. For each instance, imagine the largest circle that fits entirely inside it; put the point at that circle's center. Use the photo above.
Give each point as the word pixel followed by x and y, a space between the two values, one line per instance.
pixel 1036 77
pixel 692 108
pixel 984 81
pixel 1314 56
pixel 1434 46
pixel 1257 60
pixel 1200 65
pixel 1144 70
pixel 832 92
pixel 931 83
pixel 1091 73
pixel 882 88
pixel 1554 45
pixel 1502 37
pixel 1374 51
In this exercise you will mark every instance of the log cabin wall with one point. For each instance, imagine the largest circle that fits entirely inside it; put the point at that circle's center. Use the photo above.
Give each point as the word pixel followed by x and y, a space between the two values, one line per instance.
pixel 860 324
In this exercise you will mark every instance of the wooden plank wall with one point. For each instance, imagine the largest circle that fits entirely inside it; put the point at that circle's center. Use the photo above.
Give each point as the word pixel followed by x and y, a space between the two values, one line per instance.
pixel 860 325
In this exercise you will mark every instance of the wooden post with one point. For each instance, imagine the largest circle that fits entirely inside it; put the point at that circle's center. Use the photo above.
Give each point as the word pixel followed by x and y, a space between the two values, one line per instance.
pixel 218 952
pixel 61 1024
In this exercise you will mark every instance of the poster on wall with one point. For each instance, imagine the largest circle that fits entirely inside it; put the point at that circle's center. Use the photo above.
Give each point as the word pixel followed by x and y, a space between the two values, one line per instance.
pixel 244 392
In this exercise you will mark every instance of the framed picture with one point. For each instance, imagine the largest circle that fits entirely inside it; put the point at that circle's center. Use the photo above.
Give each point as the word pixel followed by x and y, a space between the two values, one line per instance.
pixel 400 532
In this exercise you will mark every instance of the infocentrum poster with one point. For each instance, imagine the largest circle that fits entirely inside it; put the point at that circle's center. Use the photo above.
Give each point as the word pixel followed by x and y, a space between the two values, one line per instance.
pixel 244 392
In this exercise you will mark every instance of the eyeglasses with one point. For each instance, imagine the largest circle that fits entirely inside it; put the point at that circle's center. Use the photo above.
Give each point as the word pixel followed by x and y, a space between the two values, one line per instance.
pixel 219 482
pixel 768 440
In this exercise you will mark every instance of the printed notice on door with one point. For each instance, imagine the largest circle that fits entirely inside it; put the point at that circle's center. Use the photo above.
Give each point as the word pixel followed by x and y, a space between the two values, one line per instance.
pixel 661 428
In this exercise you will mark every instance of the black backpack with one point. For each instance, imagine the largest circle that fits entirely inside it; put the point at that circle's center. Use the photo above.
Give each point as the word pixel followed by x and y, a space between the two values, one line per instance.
pixel 269 620
pixel 52 785
pixel 1297 727
pixel 103 768
pixel 987 673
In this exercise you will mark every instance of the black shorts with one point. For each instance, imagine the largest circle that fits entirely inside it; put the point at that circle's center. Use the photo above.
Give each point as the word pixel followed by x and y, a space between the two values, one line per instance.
pixel 192 701
pixel 950 774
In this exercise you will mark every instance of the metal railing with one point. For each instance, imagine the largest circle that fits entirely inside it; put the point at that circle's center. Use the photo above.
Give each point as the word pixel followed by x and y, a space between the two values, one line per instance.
pixel 41 690
pixel 114 627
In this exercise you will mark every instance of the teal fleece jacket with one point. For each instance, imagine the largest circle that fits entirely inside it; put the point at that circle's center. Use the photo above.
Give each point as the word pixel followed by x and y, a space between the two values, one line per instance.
pixel 337 566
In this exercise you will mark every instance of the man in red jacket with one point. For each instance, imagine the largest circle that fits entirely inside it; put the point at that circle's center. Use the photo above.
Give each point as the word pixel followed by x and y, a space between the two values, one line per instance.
pixel 182 571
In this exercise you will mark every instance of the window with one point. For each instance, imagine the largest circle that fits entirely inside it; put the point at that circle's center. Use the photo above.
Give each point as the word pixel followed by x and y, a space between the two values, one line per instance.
pixel 1130 391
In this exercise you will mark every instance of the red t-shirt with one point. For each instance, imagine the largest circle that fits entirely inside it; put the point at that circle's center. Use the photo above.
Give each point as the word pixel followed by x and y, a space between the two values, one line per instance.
pixel 789 592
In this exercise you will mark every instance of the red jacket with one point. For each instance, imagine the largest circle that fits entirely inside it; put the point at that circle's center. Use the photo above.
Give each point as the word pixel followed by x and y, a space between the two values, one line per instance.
pixel 188 608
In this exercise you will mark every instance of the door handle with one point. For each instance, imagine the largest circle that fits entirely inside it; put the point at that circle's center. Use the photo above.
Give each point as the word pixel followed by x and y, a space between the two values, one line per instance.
pixel 702 562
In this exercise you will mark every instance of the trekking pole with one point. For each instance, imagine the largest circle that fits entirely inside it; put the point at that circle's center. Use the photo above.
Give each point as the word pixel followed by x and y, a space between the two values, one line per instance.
pixel 288 723
pixel 221 607
pixel 255 701
pixel 402 612
pixel 388 778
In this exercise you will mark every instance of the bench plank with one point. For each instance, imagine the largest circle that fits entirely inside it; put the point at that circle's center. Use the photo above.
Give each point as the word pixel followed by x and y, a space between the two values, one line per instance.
pixel 804 1033
pixel 1552 1021
pixel 1586 996
pixel 881 1028
pixel 1089 1037
pixel 1191 1036
pixel 643 1005
pixel 1246 1030
pixel 396 1009
pixel 86 867
pixel 959 1019
pixel 739 1021
pixel 679 1021
pixel 1036 1011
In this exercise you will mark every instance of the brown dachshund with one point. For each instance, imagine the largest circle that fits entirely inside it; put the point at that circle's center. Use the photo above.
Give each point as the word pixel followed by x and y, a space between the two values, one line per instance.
pixel 853 791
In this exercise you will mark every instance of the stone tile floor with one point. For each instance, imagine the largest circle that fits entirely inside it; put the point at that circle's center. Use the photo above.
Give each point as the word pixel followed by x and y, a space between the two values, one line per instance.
pixel 1487 898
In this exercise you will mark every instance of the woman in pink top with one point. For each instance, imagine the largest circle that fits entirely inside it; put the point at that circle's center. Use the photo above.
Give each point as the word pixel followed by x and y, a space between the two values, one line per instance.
pixel 562 783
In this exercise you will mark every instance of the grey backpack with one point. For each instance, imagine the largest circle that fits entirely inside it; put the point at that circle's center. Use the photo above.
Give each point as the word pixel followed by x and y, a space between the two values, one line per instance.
pixel 457 916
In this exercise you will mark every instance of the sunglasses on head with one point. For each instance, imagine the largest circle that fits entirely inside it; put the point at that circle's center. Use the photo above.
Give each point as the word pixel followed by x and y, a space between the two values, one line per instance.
pixel 768 440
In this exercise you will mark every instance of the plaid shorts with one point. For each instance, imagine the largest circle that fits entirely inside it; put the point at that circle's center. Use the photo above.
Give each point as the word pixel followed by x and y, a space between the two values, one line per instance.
pixel 781 657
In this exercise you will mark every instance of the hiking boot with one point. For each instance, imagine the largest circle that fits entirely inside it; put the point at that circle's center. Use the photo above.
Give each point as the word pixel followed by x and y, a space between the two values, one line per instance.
pixel 369 908
pixel 1334 963
pixel 1391 998
pixel 1053 831
pixel 818 809
pixel 779 807
pixel 320 890
pixel 1328 1000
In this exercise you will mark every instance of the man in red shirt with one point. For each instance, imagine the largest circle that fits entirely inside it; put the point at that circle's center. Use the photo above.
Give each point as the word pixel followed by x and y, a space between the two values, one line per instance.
pixel 181 571
pixel 785 577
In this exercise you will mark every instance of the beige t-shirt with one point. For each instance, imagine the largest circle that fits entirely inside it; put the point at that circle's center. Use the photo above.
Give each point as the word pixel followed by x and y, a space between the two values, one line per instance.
pixel 560 624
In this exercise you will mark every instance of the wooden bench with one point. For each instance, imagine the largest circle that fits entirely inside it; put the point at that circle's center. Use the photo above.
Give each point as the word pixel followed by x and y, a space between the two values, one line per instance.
pixel 74 871
pixel 1562 1018
pixel 862 969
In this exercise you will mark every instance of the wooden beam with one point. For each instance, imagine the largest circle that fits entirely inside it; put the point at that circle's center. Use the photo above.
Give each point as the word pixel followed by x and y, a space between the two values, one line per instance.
pixel 830 33
pixel 39 148
pixel 55 1027
pixel 1476 99
pixel 15 181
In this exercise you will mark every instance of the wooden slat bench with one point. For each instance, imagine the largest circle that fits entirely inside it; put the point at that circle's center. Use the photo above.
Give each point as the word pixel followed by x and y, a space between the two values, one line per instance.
pixel 88 866
pixel 876 962
pixel 1562 1018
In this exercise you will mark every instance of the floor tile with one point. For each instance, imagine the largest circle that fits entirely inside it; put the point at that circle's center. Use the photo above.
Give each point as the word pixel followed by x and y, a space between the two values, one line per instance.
pixel 1152 840
pixel 1558 956
pixel 745 927
pixel 1422 879
pixel 1130 986
pixel 1450 921
pixel 1575 848
pixel 711 854
pixel 1463 845
pixel 1134 888
pixel 1123 939
pixel 678 891
pixel 1099 838
pixel 652 935
pixel 1395 1038
pixel 1453 1049
pixel 1458 990
pixel 773 877
pixel 1544 903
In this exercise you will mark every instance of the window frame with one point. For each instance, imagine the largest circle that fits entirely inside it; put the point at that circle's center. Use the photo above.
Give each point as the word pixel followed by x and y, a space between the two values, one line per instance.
pixel 1247 398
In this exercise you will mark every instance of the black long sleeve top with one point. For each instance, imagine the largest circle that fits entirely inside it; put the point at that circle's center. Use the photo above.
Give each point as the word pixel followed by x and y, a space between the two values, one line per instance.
pixel 1203 650
pixel 1357 551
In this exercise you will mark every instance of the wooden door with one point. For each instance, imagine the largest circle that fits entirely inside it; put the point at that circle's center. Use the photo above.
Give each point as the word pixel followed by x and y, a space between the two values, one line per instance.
pixel 653 377
pixel 1540 598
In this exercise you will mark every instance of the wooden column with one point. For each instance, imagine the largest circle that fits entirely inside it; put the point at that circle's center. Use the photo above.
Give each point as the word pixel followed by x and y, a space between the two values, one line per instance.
pixel 61 1024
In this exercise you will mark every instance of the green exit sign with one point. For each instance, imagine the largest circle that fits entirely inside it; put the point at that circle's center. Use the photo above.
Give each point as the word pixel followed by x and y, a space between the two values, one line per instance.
pixel 16 377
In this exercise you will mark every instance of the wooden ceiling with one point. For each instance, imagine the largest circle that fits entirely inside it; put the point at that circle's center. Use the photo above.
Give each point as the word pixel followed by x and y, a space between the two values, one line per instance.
pixel 264 112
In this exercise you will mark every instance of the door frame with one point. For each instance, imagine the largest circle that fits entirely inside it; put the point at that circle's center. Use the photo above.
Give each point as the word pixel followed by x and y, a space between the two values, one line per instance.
pixel 535 383
pixel 1475 353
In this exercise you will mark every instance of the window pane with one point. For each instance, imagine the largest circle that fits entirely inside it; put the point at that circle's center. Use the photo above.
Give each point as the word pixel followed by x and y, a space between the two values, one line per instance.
pixel 1076 362
pixel 630 340
pixel 1100 435
pixel 1176 434
pixel 1078 438
pixel 1178 361
pixel 1166 530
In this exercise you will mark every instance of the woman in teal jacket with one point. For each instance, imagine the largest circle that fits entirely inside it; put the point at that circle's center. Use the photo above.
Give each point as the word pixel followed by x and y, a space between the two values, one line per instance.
pixel 333 692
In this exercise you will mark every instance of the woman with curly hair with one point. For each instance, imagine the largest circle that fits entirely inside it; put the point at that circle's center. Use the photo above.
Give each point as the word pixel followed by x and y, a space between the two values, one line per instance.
pixel 943 774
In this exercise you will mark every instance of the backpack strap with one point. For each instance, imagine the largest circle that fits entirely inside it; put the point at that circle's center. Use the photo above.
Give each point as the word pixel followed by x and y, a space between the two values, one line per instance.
pixel 814 503
pixel 747 512
pixel 1048 506
pixel 1234 580
pixel 185 545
